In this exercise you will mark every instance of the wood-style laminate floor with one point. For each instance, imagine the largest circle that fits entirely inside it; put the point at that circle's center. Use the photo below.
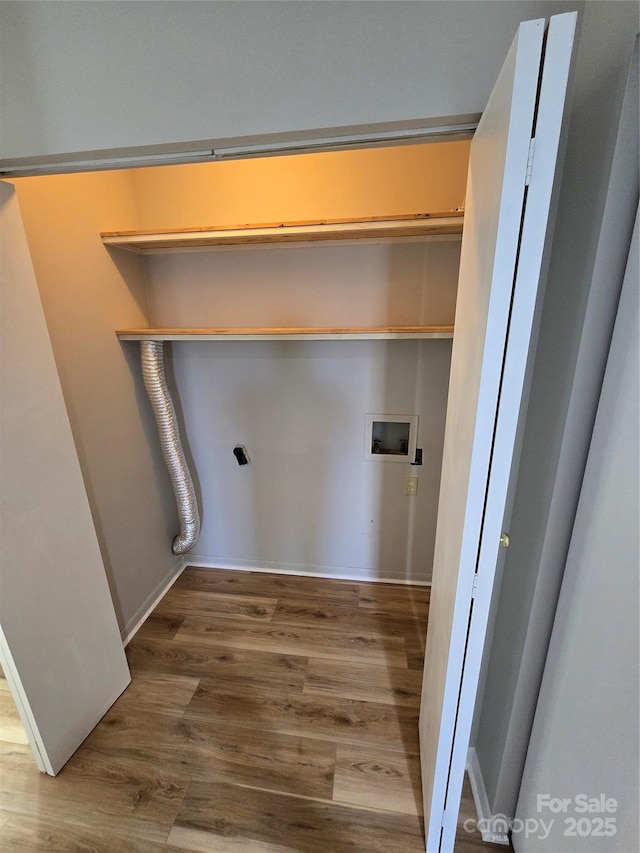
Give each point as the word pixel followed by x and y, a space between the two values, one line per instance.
pixel 267 714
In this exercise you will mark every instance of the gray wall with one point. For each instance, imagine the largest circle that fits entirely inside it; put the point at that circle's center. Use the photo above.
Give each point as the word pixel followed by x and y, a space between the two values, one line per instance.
pixel 78 77
pixel 309 500
pixel 585 734
pixel 599 194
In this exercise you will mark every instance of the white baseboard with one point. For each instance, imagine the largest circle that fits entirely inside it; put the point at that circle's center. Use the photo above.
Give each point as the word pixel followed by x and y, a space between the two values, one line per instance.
pixel 493 828
pixel 132 626
pixel 208 561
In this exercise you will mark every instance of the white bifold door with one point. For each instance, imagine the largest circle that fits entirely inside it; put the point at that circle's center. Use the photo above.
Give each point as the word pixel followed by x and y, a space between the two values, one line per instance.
pixel 512 167
pixel 60 645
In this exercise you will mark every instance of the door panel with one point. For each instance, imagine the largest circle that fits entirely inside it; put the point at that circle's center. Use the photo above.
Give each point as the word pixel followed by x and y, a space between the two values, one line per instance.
pixel 494 317
pixel 60 640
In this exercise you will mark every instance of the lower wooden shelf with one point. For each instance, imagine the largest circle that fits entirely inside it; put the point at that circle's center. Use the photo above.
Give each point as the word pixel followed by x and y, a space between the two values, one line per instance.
pixel 291 334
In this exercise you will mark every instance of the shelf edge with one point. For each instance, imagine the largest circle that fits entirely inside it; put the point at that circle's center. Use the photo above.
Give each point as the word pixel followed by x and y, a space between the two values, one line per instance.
pixel 435 333
pixel 400 228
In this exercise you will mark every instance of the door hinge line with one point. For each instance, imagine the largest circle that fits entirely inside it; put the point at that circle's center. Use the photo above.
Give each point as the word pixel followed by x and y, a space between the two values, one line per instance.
pixel 532 150
pixel 474 588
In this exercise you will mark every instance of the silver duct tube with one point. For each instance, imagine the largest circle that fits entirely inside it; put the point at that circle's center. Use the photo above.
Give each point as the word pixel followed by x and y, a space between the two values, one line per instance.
pixel 155 381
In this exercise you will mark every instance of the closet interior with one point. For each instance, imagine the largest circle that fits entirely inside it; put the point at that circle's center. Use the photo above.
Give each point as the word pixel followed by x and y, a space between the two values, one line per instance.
pixel 304 302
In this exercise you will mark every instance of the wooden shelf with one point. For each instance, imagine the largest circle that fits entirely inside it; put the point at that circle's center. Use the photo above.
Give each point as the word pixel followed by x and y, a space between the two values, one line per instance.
pixel 383 333
pixel 421 227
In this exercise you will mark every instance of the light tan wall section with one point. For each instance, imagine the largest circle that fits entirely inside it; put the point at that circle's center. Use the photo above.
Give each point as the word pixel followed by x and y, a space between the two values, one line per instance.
pixel 346 184
pixel 86 294
pixel 317 286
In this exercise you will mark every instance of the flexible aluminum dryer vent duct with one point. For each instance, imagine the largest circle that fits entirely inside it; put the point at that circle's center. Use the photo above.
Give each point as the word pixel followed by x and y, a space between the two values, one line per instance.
pixel 152 358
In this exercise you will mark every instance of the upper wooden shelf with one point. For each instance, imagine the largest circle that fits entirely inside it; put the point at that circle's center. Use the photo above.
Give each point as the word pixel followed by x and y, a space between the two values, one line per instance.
pixel 422 226
pixel 301 334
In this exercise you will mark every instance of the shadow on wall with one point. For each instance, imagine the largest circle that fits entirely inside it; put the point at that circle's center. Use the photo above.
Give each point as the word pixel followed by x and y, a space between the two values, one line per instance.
pixel 414 380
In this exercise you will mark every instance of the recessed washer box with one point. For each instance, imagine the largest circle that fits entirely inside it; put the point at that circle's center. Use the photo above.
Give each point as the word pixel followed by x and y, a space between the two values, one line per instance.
pixel 391 438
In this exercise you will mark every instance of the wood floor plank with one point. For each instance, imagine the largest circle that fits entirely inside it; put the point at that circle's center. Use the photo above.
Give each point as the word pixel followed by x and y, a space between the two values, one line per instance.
pixel 15 754
pixel 256 699
pixel 8 706
pixel 259 758
pixel 11 728
pixel 209 748
pixel 306 826
pixel 183 602
pixel 268 584
pixel 296 640
pixel 378 778
pixel 154 740
pixel 156 625
pixel 200 841
pixel 394 597
pixel 323 717
pixel 412 625
pixel 12 731
pixel 23 834
pixel 287 672
pixel 415 654
pixel 366 682
pixel 328 613
pixel 165 693
pixel 312 610
pixel 97 791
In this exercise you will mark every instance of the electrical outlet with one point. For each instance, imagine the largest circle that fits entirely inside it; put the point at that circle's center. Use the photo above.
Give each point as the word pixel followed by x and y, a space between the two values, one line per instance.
pixel 411 486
